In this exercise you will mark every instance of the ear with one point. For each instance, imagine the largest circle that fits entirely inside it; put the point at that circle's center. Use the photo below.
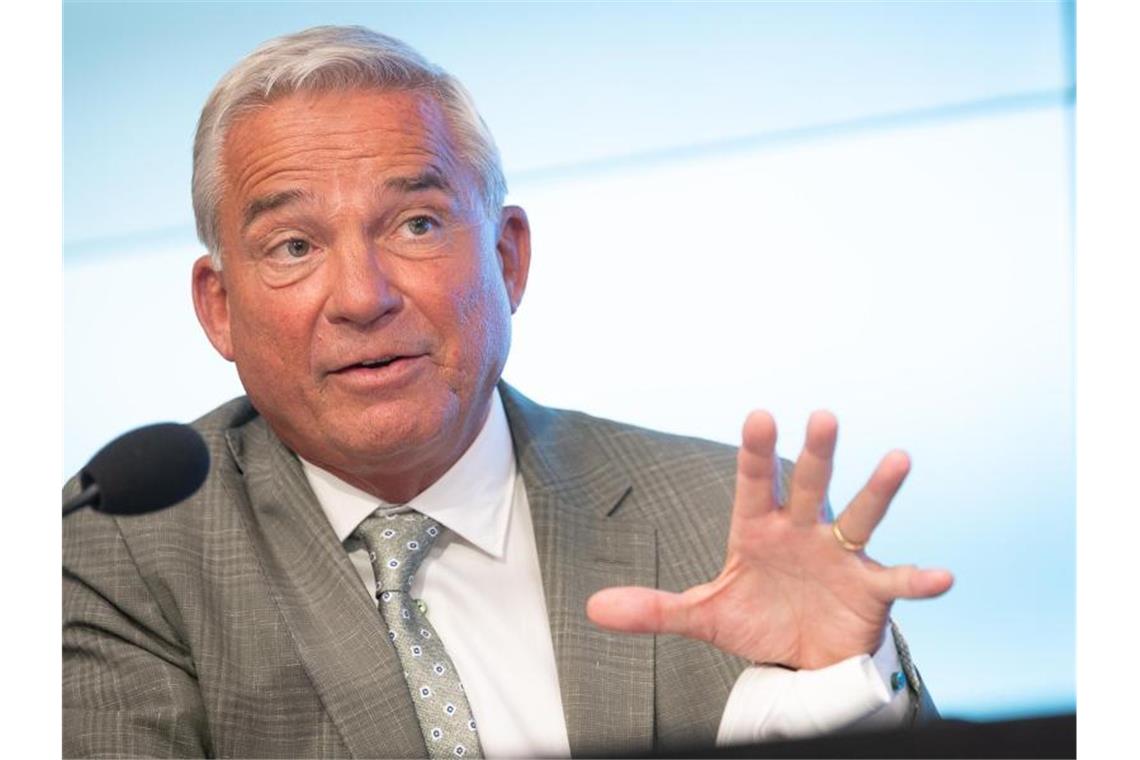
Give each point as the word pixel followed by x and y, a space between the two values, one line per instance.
pixel 211 304
pixel 514 252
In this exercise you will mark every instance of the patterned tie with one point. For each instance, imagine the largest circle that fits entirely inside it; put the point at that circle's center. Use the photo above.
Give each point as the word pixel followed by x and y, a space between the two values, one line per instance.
pixel 397 543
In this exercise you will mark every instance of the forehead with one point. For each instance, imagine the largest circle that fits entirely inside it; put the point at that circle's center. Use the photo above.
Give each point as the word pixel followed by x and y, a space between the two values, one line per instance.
pixel 312 137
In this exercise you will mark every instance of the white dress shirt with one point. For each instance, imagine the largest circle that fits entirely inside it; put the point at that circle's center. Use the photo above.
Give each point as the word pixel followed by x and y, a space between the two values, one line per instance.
pixel 482 586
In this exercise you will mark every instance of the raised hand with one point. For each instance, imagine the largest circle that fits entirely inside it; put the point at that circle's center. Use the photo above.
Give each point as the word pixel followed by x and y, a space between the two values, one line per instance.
pixel 795 590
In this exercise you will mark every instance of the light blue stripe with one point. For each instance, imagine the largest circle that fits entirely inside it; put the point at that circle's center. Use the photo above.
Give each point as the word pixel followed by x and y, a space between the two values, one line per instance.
pixel 1063 97
pixel 1030 101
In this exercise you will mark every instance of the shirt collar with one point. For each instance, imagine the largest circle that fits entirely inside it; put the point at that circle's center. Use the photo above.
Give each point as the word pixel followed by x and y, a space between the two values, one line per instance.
pixel 472 499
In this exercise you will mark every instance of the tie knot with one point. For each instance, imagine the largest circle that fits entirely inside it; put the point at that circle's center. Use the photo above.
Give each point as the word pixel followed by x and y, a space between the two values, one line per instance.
pixel 397 544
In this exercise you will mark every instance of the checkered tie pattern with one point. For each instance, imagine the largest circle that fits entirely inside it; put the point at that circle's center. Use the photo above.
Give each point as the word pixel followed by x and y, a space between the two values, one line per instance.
pixel 397 544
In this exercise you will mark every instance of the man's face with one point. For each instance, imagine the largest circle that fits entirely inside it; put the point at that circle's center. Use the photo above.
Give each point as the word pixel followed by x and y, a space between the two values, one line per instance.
pixel 365 297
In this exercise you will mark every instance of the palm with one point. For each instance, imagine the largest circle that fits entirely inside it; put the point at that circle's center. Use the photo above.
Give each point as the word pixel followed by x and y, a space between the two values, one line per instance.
pixel 789 593
pixel 792 594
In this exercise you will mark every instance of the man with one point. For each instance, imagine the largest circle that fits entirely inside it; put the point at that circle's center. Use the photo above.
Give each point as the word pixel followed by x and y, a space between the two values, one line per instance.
pixel 396 554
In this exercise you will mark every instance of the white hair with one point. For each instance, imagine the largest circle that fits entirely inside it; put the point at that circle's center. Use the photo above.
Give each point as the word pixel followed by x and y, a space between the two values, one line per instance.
pixel 333 58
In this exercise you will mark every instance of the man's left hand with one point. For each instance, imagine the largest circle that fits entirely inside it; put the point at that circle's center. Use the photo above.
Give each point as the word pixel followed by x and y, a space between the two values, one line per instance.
pixel 790 593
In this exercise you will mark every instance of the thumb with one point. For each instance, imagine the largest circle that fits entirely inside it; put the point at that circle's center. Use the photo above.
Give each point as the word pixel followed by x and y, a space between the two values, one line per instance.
pixel 633 609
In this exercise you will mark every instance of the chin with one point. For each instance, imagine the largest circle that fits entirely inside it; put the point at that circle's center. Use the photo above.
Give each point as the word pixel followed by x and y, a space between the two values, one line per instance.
pixel 397 429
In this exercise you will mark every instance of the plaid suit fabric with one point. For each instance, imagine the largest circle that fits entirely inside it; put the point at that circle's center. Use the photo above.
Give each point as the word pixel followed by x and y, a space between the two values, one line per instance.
pixel 234 625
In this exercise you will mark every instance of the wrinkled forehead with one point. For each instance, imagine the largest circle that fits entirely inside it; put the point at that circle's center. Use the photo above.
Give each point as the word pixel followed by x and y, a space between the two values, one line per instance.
pixel 314 136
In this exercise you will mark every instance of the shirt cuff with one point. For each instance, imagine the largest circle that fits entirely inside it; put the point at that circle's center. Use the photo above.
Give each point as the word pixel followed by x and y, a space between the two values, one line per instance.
pixel 863 692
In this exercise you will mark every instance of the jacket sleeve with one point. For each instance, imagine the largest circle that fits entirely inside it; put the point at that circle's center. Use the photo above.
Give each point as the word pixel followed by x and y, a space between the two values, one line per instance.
pixel 922 705
pixel 129 682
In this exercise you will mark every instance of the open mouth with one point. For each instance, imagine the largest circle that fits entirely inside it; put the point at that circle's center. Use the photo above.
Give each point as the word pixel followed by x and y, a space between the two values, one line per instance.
pixel 374 364
pixel 371 363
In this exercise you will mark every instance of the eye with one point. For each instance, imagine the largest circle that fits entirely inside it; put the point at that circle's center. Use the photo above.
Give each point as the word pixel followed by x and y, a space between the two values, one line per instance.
pixel 418 235
pixel 421 225
pixel 288 259
pixel 296 247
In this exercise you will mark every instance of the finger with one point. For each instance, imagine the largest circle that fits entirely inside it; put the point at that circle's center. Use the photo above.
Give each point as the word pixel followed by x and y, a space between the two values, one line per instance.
pixel 866 510
pixel 633 609
pixel 756 467
pixel 812 473
pixel 910 582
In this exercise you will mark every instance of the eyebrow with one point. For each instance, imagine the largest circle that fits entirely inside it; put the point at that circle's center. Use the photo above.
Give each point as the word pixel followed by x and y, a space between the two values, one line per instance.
pixel 429 179
pixel 266 203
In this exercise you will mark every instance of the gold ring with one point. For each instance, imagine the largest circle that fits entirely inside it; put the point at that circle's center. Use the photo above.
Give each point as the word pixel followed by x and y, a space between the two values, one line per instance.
pixel 850 546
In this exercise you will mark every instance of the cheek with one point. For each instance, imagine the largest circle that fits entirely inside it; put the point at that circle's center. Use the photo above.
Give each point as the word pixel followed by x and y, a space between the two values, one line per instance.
pixel 472 317
pixel 484 318
pixel 271 337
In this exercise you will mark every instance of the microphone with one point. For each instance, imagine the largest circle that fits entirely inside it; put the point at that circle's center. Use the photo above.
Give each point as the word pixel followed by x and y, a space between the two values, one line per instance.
pixel 142 471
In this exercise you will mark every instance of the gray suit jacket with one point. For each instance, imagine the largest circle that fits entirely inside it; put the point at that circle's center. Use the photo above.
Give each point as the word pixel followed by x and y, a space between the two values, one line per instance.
pixel 234 624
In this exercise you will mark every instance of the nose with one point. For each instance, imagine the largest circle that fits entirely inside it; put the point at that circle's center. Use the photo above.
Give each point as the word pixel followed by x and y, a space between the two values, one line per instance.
pixel 361 291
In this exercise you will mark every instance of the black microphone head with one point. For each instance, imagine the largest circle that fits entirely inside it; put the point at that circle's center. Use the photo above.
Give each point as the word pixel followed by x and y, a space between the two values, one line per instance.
pixel 147 469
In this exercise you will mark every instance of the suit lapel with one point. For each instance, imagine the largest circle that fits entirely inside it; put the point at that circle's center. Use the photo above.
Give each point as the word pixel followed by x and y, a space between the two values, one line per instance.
pixel 584 545
pixel 332 620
